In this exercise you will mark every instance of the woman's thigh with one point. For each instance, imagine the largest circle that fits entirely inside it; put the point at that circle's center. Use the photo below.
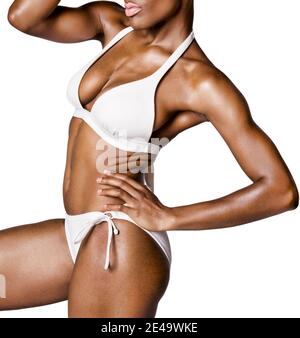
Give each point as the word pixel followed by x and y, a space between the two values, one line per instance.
pixel 134 283
pixel 35 263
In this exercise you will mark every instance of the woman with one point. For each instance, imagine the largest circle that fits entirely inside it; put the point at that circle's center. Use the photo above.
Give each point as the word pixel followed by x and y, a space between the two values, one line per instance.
pixel 124 98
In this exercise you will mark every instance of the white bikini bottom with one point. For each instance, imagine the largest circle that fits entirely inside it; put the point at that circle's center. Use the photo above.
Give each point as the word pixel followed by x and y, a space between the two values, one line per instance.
pixel 78 226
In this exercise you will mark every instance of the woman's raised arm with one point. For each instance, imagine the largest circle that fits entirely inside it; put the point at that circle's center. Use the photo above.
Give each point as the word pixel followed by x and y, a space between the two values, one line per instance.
pixel 47 20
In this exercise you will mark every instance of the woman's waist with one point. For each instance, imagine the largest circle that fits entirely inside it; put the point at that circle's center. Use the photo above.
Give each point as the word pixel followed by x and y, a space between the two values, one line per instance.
pixel 81 186
pixel 78 200
pixel 87 162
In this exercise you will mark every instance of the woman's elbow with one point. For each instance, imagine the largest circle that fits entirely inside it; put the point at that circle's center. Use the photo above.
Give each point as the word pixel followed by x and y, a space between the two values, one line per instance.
pixel 17 20
pixel 282 195
pixel 294 198
pixel 290 198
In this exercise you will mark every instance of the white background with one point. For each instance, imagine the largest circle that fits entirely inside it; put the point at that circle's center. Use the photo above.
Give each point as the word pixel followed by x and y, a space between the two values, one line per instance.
pixel 250 270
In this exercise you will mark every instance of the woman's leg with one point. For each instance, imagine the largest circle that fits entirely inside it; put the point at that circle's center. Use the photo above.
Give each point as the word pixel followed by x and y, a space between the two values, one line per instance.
pixel 133 285
pixel 35 263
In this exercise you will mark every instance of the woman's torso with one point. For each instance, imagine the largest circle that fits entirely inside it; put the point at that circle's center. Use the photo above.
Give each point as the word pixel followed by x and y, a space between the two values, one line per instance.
pixel 124 62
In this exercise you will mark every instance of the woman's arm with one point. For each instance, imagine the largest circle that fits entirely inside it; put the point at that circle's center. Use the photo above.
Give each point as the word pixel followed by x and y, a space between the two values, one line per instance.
pixel 47 20
pixel 273 190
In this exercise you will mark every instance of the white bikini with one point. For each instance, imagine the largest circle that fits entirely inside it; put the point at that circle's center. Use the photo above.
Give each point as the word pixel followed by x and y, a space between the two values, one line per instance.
pixel 124 118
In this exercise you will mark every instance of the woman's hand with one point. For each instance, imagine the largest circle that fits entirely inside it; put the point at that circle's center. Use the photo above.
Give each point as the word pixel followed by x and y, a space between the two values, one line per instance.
pixel 139 202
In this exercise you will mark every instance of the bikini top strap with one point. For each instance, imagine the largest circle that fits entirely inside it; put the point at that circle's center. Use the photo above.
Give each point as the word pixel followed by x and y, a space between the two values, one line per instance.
pixel 117 37
pixel 174 56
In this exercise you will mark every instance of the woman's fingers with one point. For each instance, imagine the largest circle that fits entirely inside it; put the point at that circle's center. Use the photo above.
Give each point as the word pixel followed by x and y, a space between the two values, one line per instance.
pixel 121 186
pixel 119 207
pixel 119 193
pixel 124 178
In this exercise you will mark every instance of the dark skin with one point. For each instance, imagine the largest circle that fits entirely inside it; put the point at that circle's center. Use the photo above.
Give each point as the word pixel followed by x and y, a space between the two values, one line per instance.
pixel 273 190
pixel 203 94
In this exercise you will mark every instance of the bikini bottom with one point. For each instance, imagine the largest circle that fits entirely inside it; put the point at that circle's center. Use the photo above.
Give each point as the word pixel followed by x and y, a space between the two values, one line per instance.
pixel 78 226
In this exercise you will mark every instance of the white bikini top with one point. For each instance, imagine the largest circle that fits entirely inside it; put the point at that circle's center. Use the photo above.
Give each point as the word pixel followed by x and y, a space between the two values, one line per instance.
pixel 124 115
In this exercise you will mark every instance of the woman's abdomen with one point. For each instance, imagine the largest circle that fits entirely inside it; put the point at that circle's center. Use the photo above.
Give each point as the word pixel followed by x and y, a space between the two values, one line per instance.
pixel 88 156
